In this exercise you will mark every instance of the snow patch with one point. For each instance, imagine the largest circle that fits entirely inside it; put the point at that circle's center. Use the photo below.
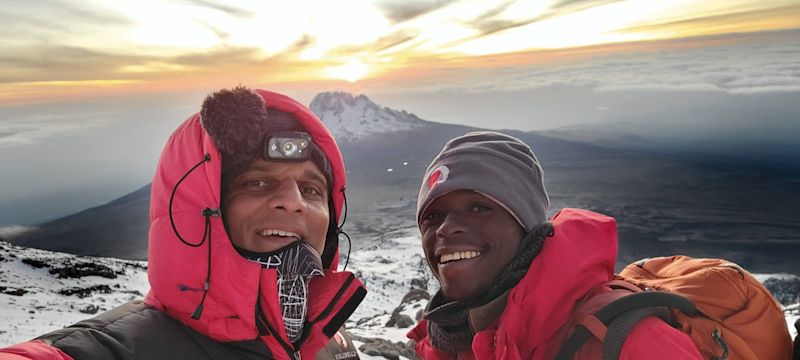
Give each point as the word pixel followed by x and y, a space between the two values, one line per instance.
pixel 33 300
pixel 38 295
pixel 351 117
pixel 781 276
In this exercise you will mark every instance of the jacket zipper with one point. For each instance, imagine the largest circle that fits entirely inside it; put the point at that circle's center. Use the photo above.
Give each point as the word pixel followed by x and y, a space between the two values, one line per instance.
pixel 308 324
pixel 290 350
pixel 286 347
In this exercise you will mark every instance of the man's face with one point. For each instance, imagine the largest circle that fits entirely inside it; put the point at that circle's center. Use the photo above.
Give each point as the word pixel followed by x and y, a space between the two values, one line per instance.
pixel 468 239
pixel 272 204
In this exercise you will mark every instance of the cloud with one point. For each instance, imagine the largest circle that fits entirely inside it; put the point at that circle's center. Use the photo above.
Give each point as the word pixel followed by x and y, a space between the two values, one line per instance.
pixel 734 64
pixel 230 10
pixel 13 230
pixel 31 126
pixel 219 58
pixel 391 43
pixel 51 22
pixel 727 20
pixel 767 89
pixel 573 5
pixel 59 16
pixel 403 10
pixel 497 19
pixel 393 39
pixel 508 15
pixel 660 87
pixel 62 63
pixel 494 20
pixel 67 41
pixel 161 43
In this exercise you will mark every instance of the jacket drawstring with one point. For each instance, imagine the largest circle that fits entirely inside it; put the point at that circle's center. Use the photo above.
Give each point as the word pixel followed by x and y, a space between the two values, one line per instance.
pixel 339 229
pixel 349 245
pixel 344 208
pixel 207 213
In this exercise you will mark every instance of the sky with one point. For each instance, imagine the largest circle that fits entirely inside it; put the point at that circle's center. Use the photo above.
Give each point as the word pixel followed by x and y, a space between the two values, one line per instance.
pixel 73 50
pixel 91 90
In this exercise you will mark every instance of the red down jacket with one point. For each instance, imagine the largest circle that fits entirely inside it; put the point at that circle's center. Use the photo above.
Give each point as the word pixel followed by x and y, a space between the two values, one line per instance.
pixel 579 257
pixel 176 271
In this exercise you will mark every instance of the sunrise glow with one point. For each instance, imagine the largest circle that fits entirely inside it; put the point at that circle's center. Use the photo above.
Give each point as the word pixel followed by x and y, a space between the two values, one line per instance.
pixel 160 44
pixel 351 71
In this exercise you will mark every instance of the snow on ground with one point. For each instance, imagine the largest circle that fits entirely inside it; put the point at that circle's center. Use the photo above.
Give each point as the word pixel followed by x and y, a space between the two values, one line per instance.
pixel 31 305
pixel 791 312
pixel 375 327
pixel 30 300
pixel 351 117
pixel 792 315
pixel 390 267
pixel 781 276
pixel 363 356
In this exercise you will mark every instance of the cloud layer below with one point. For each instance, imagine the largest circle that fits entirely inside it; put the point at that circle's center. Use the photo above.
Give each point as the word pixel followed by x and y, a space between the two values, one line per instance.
pixel 733 64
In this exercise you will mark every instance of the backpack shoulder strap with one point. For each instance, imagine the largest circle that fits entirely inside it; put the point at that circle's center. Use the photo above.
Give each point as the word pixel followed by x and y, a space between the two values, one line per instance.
pixel 620 327
pixel 620 316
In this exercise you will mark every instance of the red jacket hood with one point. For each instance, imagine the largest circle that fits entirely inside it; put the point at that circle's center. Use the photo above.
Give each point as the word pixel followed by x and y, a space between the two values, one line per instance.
pixel 578 257
pixel 177 272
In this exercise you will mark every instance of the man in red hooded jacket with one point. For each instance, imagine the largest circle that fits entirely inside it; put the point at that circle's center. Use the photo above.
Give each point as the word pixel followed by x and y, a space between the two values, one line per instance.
pixel 509 278
pixel 243 244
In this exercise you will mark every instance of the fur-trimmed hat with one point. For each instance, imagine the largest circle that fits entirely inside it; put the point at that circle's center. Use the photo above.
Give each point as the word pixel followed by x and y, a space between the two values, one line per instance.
pixel 239 123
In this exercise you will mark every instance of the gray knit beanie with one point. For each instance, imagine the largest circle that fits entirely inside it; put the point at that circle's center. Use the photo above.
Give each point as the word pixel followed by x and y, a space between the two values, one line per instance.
pixel 496 165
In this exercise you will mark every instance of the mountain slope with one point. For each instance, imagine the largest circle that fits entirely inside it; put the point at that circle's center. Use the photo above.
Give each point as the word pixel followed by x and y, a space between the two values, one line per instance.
pixel 665 203
pixel 117 229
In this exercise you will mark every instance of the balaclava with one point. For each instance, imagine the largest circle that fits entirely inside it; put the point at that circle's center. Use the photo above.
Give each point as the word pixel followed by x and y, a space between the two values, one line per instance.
pixel 239 124
pixel 504 169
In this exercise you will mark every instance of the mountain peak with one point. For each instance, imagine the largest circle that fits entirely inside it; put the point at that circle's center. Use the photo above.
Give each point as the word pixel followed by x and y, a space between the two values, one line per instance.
pixel 351 117
pixel 331 98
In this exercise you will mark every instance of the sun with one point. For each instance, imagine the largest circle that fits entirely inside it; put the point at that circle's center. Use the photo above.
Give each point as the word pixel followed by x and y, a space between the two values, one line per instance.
pixel 351 71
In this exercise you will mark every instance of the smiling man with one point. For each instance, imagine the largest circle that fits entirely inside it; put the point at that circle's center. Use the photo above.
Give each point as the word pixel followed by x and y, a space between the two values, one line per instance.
pixel 277 191
pixel 243 245
pixel 509 277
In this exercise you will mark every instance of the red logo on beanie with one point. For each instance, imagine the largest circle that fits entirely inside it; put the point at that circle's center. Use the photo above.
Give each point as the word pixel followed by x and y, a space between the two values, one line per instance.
pixel 438 176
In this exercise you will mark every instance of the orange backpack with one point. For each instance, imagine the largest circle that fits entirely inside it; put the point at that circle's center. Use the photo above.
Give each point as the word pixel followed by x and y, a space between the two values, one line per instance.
pixel 726 312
